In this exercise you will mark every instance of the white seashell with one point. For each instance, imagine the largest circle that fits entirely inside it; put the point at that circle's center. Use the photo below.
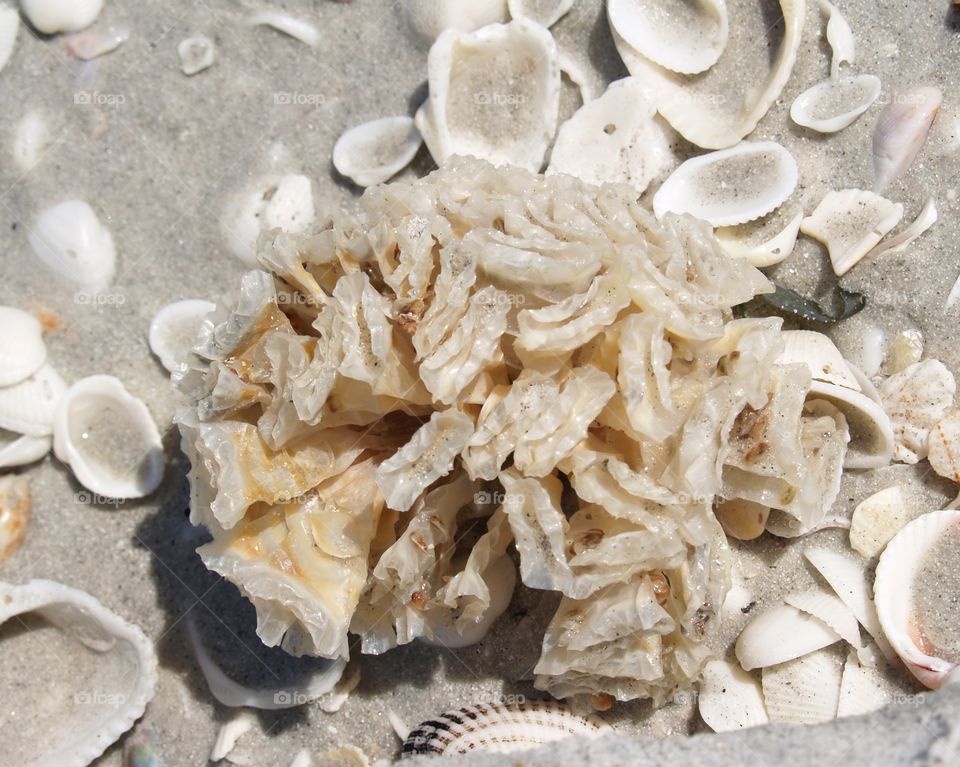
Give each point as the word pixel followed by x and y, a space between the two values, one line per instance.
pixel 850 222
pixel 578 74
pixel 19 450
pixel 230 732
pixel 494 94
pixel 334 700
pixel 9 26
pixel 820 354
pixel 71 241
pixel 901 131
pixel 832 105
pixel 899 242
pixel 28 407
pixel 616 138
pixel 944 446
pixel 781 634
pixel 284 202
pixel 905 349
pixel 432 17
pixel 29 140
pixel 730 699
pixel 92 44
pixel 546 13
pixel 22 350
pixel 872 351
pixel 876 520
pixel 121 691
pixel 909 587
pixel 196 54
pixel 772 251
pixel 302 758
pixel 174 331
pixel 501 729
pixel 14 513
pixel 290 209
pixel 954 295
pixel 840 37
pixel 375 151
pixel 863 689
pixel 298 29
pixel 108 439
pixel 52 16
pixel 731 186
pixel 400 728
pixel 915 399
pixel 805 690
pixel 830 609
pixel 683 37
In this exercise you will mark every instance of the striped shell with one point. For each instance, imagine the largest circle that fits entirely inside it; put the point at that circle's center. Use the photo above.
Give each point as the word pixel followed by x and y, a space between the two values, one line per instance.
pixel 499 728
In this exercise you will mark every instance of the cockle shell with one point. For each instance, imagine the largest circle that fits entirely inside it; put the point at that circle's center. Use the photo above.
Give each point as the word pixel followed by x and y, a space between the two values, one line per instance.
pixel 544 12
pixel 108 438
pixel 21 449
pixel 903 590
pixel 915 399
pixel 730 699
pixel 731 186
pixel 767 253
pixel 373 152
pixel 804 690
pixel 877 519
pixel 823 605
pixel 22 350
pixel 174 331
pixel 500 728
pixel 9 26
pixel 28 407
pixel 682 37
pixel 901 131
pixel 944 446
pixel 832 105
pixel 494 94
pixel 70 240
pixel 52 16
pixel 432 17
pixel 14 513
pixel 863 689
pixel 89 719
pixel 781 634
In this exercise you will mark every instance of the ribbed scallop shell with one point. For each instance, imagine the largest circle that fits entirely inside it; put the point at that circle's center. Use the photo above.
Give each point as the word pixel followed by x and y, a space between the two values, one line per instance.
pixel 500 728
pixel 22 350
pixel 805 690
pixel 28 407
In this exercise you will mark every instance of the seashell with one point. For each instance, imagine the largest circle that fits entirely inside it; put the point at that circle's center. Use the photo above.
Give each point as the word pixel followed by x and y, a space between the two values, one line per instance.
pixel 546 13
pixel 283 202
pixel 953 296
pixel 577 74
pixel 840 38
pixel 431 17
pixel 781 634
pixel 501 729
pixel 901 131
pixel 871 352
pixel 744 520
pixel 701 108
pixel 302 758
pixel 174 331
pixel 22 350
pixel 850 222
pixel 230 732
pixel 124 685
pixel 52 16
pixel 683 37
pixel 828 608
pixel 30 139
pixel 72 242
pixel 862 689
pixel 345 756
pixel 108 439
pixel 334 700
pixel 876 520
pixel 9 26
pixel 804 690
pixel 731 186
pixel 512 125
pixel 899 242
pixel 21 449
pixel 832 105
pixel 616 138
pixel 916 594
pixel 92 44
pixel 767 253
pixel 28 407
pixel 730 699
pixel 944 446
pixel 400 728
pixel 14 513
pixel 905 349
pixel 293 27
pixel 915 399
pixel 375 151
pixel 196 54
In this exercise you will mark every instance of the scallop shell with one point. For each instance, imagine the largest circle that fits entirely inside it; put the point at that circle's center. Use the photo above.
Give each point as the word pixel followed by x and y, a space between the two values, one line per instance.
pixel 544 12
pixel 901 131
pixel 494 94
pixel 832 105
pixel 9 26
pixel 70 240
pixel 14 513
pixel 108 438
pixel 876 520
pixel 916 399
pixel 28 407
pixel 683 37
pixel 895 587
pixel 498 728
pixel 91 719
pixel 897 243
pixel 730 699
pixel 432 17
pixel 944 446
pixel 781 634
pixel 21 449
pixel 772 251
pixel 22 350
pixel 805 690
pixel 731 186
pixel 863 689
pixel 52 16
pixel 375 151
pixel 840 38
pixel 174 330
pixel 850 222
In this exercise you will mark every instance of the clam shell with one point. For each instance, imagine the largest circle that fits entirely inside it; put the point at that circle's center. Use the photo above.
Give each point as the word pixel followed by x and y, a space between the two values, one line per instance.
pixel 174 330
pixel 28 407
pixel 683 37
pixel 781 634
pixel 91 719
pixel 272 201
pixel 108 438
pixel 895 591
pixel 805 690
pixel 731 186
pixel 52 16
pixel 772 251
pixel 14 513
pixel 730 699
pixel 373 152
pixel 9 26
pixel 19 450
pixel 429 18
pixel 498 728
pixel 22 350
pixel 543 12
pixel 876 520
pixel 832 105
pixel 916 399
pixel 901 131
pixel 944 446
pixel 70 240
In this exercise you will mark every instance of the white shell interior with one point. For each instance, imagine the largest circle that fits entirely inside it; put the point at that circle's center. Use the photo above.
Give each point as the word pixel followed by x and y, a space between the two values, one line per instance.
pixel 375 151
pixel 173 331
pixel 832 105
pixel 429 18
pixel 767 253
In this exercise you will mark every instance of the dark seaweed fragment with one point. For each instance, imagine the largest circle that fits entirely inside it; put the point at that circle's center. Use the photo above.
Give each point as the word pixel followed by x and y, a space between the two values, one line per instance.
pixel 846 304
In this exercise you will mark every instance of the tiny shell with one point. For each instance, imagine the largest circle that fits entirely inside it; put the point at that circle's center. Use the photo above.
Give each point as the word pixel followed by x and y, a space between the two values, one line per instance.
pixel 108 438
pixel 431 17
pixel 840 37
pixel 174 330
pixel 375 151
pixel 805 690
pixel 19 450
pixel 730 699
pixel 52 16
pixel 14 513
pixel 196 54
pixel 22 350
pixel 899 242
pixel 850 222
pixel 832 105
pixel 901 131
pixel 683 37
pixel 944 447
pixel 743 519
pixel 71 241
pixel 230 732
pixel 731 186
pixel 28 407
pixel 497 728
pixel 781 634
pixel 9 26
pixel 915 399
pixel 544 12
pixel 774 250
pixel 30 139
pixel 954 295
pixel 905 348
pixel 94 43
pixel 876 520
pixel 293 27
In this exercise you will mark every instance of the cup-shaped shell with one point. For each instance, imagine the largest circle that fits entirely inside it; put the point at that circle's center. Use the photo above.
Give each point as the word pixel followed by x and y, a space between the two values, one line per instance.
pixel 174 329
pixel 70 240
pixel 52 16
pixel 22 350
pixel 544 12
pixel 373 152
pixel 832 105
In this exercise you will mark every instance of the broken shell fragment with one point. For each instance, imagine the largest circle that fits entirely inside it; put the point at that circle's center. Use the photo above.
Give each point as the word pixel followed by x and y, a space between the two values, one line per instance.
pixel 174 331
pixel 916 594
pixel 876 520
pixel 108 438
pixel 544 12
pixel 901 131
pixel 804 690
pixel 94 43
pixel 293 27
pixel 928 217
pixel 196 54
pixel 430 18
pixel 70 240
pixel 375 151
pixel 683 37
pixel 832 105
pixel 772 251
pixel 944 447
pixel 830 609
pixel 21 449
pixel 781 634
pixel 28 407
pixel 121 683
pixel 14 513
pixel 9 26
pixel 906 348
pixel 915 399
pixel 840 37
pixel 730 699
pixel 849 223
pixel 52 16
pixel 731 186
pixel 22 350
pixel 862 689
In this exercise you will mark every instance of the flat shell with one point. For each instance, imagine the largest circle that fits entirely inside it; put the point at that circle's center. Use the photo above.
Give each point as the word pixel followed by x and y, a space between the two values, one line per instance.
pixel 781 634
pixel 877 519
